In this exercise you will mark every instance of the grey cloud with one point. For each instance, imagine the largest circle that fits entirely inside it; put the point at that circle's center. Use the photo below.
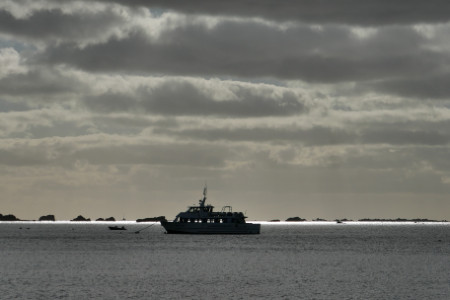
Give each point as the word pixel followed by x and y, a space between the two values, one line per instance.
pixel 31 153
pixel 110 102
pixel 55 128
pixel 65 152
pixel 8 106
pixel 314 136
pixel 40 81
pixel 437 157
pixel 174 154
pixel 129 123
pixel 184 98
pixel 54 23
pixel 394 136
pixel 22 158
pixel 424 86
pixel 317 136
pixel 355 12
pixel 23 122
pixel 248 49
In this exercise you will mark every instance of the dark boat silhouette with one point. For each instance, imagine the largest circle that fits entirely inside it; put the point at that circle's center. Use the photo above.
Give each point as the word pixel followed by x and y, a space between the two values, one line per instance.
pixel 202 219
pixel 116 228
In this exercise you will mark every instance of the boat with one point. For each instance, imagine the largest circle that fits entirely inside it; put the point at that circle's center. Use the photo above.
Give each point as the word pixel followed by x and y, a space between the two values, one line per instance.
pixel 116 228
pixel 202 219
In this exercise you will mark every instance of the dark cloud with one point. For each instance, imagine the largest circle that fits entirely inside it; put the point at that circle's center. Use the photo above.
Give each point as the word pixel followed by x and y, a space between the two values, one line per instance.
pixel 354 12
pixel 423 86
pixel 183 98
pixel 256 50
pixel 54 23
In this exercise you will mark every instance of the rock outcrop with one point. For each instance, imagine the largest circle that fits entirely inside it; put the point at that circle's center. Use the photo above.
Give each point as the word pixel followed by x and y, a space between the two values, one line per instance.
pixel 400 220
pixel 343 220
pixel 80 218
pixel 47 218
pixel 110 219
pixel 153 219
pixel 295 219
pixel 8 218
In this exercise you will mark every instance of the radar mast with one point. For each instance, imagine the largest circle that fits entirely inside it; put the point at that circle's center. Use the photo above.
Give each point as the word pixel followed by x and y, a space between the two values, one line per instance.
pixel 202 201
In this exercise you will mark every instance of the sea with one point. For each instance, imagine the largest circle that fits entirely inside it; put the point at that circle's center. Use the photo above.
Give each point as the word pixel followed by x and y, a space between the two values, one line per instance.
pixel 306 260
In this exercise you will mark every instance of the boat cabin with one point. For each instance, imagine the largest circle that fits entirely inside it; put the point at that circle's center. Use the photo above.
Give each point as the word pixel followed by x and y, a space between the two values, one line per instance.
pixel 197 209
pixel 205 214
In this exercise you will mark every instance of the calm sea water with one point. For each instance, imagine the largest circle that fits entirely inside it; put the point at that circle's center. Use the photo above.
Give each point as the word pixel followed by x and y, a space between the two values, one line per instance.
pixel 301 261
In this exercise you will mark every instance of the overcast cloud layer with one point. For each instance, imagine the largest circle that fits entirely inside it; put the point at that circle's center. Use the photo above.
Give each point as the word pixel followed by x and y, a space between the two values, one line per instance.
pixel 326 109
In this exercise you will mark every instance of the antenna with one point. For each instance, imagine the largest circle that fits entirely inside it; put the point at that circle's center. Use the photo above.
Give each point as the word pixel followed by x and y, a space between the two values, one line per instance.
pixel 202 201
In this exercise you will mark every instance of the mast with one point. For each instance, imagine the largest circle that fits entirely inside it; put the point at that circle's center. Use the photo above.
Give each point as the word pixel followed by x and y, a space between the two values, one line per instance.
pixel 202 201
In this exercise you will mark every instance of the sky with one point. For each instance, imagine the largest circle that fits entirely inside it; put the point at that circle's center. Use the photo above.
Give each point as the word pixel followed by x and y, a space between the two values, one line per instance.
pixel 318 109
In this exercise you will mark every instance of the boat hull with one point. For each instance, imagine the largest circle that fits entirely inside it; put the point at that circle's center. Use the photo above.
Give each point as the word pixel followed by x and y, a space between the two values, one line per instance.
pixel 116 228
pixel 210 228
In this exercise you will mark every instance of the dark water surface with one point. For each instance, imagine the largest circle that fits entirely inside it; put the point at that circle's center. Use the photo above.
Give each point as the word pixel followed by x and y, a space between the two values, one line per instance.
pixel 302 261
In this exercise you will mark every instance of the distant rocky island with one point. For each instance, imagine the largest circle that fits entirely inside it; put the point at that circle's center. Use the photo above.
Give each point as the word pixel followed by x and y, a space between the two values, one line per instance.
pixel 47 218
pixel 416 220
pixel 80 218
pixel 152 219
pixel 110 219
pixel 295 219
pixel 8 218
pixel 400 220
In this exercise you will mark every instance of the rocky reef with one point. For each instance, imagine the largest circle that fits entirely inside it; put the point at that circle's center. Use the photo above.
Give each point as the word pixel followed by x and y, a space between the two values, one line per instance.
pixel 343 220
pixel 47 218
pixel 295 219
pixel 152 219
pixel 8 218
pixel 80 218
pixel 110 219
pixel 399 220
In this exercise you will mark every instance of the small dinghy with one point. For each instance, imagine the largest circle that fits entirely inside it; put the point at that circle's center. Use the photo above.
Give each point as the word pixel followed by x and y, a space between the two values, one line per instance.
pixel 116 228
